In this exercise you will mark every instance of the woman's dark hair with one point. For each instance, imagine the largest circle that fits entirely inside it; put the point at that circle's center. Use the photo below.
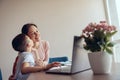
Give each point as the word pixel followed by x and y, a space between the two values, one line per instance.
pixel 18 43
pixel 26 27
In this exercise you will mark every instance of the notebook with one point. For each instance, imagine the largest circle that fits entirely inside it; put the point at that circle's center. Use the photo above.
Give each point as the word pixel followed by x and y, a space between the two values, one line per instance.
pixel 79 61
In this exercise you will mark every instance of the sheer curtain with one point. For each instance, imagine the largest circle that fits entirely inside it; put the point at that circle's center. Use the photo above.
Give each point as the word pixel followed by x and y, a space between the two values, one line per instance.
pixel 113 16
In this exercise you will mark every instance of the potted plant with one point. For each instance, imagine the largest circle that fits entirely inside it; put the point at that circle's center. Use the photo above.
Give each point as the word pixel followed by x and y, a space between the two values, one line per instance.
pixel 97 39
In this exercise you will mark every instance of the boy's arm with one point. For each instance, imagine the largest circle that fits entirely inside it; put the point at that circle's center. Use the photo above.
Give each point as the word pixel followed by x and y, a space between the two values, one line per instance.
pixel 27 69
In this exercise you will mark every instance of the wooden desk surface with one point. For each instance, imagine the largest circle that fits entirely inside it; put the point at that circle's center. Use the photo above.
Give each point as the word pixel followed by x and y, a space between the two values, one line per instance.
pixel 86 75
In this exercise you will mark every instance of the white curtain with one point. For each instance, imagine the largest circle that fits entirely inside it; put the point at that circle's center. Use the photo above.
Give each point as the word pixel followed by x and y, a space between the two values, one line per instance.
pixel 112 8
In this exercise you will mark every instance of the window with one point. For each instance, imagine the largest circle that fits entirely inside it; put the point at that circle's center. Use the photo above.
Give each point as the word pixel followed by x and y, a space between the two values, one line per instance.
pixel 118 9
pixel 113 16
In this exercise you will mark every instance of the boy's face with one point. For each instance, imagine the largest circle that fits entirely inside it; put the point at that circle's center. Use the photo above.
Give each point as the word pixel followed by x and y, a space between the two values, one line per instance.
pixel 30 42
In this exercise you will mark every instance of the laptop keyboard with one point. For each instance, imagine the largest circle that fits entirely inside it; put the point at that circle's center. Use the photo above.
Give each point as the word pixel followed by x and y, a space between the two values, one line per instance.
pixel 61 69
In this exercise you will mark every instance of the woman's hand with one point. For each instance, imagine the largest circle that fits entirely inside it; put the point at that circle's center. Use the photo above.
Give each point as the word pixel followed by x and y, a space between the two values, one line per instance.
pixel 39 63
pixel 36 45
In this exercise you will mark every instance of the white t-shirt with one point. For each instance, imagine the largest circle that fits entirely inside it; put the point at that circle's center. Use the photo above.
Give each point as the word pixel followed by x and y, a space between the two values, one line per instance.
pixel 23 57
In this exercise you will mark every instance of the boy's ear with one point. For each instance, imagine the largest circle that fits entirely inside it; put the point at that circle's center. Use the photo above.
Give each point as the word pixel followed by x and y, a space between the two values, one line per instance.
pixel 27 45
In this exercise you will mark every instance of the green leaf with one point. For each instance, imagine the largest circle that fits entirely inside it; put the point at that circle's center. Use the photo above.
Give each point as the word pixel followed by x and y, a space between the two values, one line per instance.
pixel 110 44
pixel 86 47
pixel 110 34
pixel 109 50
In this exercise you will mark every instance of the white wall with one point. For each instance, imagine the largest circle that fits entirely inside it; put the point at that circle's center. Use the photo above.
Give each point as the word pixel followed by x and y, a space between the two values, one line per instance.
pixel 58 22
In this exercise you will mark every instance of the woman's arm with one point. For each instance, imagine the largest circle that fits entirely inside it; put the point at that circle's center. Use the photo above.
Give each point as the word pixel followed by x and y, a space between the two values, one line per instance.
pixel 47 51
pixel 38 62
pixel 36 54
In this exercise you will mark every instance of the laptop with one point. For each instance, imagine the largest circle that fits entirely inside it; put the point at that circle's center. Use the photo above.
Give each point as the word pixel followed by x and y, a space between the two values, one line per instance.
pixel 79 61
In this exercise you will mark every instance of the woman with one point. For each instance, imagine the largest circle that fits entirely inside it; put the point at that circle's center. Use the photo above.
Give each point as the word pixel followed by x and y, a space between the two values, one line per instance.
pixel 41 47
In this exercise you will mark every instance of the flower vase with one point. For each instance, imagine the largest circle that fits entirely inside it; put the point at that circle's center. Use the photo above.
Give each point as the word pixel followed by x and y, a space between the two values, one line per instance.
pixel 100 62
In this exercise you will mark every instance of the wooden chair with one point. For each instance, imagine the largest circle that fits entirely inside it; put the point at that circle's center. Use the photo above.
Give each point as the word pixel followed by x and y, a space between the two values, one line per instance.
pixel 11 77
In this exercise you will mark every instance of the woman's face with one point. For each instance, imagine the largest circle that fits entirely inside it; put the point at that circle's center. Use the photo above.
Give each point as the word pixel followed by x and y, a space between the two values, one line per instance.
pixel 34 34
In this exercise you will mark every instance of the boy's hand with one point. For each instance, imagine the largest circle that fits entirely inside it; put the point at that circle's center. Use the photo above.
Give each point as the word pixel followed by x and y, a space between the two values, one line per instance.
pixel 54 64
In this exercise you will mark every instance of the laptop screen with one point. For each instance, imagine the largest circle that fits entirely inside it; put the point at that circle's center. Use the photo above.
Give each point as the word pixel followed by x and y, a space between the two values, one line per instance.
pixel 80 60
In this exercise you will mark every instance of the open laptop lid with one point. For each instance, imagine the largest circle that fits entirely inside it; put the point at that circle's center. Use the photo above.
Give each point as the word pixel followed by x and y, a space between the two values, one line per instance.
pixel 80 60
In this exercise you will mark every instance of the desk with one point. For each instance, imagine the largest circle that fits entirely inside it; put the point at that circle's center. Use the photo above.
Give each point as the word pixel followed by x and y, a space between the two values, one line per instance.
pixel 86 75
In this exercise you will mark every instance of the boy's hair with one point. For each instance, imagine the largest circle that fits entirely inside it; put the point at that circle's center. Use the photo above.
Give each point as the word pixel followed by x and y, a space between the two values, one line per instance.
pixel 19 42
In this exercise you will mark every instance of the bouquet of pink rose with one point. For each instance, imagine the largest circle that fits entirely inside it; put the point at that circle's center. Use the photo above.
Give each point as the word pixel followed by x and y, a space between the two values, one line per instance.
pixel 97 37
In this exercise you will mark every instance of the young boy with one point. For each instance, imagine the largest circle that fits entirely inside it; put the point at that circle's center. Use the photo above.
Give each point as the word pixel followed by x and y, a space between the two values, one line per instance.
pixel 25 64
